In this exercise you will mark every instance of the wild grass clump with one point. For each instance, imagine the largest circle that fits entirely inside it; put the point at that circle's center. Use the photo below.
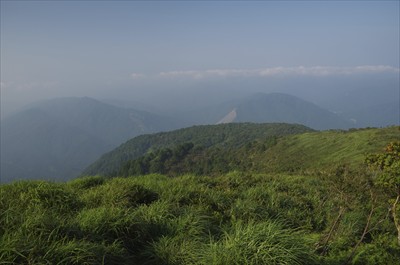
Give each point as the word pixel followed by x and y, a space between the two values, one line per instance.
pixel 35 204
pixel 107 223
pixel 171 250
pixel 265 242
pixel 37 226
pixel 118 192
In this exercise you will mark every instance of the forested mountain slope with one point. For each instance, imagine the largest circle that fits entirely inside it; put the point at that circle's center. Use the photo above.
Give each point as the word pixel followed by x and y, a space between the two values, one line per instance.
pixel 225 136
pixel 299 153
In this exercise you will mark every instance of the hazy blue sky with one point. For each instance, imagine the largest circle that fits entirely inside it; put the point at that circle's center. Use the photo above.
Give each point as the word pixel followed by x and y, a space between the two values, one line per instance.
pixel 97 48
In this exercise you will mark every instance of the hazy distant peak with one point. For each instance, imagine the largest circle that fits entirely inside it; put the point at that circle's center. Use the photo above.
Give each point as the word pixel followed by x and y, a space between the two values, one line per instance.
pixel 280 107
pixel 59 137
pixel 230 117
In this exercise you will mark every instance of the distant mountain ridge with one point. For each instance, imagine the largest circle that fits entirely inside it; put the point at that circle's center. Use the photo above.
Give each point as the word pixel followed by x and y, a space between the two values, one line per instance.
pixel 379 115
pixel 56 139
pixel 279 107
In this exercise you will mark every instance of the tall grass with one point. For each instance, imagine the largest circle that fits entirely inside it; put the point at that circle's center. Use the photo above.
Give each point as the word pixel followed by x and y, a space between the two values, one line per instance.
pixel 236 218
pixel 265 242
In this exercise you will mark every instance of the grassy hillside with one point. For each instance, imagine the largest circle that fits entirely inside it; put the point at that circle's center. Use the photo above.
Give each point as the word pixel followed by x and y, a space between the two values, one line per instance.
pixel 322 149
pixel 225 136
pixel 314 151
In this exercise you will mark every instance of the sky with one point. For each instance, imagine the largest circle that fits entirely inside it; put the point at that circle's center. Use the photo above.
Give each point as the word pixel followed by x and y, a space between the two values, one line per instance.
pixel 139 49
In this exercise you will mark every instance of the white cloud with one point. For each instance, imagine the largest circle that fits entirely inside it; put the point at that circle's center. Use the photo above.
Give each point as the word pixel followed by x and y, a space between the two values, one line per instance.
pixel 191 74
pixel 137 75
pixel 206 73
pixel 376 69
pixel 281 71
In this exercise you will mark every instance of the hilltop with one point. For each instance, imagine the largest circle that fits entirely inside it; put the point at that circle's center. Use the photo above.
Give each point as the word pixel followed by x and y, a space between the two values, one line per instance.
pixel 216 149
pixel 225 136
pixel 297 153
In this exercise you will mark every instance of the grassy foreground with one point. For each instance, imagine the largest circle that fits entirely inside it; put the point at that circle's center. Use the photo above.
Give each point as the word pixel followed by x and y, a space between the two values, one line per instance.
pixel 235 218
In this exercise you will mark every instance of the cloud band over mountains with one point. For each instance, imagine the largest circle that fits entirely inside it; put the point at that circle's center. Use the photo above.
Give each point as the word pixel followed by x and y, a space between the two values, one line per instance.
pixel 274 71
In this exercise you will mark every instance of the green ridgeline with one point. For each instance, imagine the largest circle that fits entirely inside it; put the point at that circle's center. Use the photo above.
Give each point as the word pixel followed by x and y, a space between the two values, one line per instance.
pixel 224 136
pixel 323 149
pixel 299 153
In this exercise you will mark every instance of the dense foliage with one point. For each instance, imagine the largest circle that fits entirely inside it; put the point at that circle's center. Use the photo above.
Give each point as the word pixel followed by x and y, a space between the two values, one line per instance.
pixel 199 160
